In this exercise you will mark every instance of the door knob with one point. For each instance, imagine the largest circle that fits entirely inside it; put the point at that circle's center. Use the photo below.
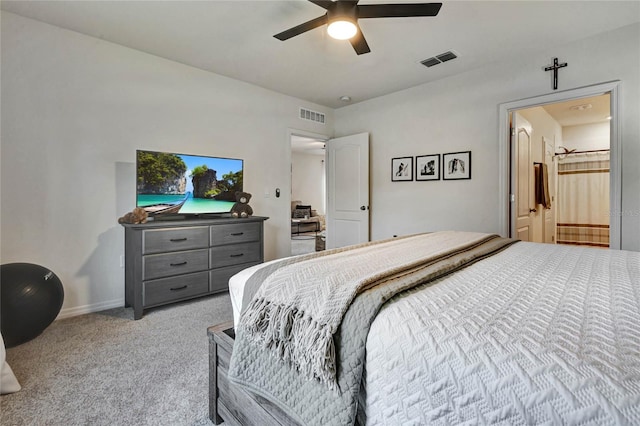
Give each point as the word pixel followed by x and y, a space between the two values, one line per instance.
pixel 363 208
pixel 533 210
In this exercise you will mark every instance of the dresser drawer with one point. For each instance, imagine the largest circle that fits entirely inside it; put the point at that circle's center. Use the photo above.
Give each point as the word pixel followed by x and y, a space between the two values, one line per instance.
pixel 175 288
pixel 232 233
pixel 179 262
pixel 181 238
pixel 172 261
pixel 219 278
pixel 234 254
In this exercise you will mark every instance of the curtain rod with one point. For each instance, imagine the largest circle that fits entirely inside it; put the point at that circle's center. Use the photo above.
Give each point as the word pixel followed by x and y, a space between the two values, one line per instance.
pixel 580 152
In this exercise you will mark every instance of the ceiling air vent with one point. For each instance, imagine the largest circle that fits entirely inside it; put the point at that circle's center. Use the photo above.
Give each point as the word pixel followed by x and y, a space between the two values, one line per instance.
pixel 307 114
pixel 438 59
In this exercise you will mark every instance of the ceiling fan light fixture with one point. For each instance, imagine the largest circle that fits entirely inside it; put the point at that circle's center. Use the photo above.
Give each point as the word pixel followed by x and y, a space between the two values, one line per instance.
pixel 342 19
pixel 342 29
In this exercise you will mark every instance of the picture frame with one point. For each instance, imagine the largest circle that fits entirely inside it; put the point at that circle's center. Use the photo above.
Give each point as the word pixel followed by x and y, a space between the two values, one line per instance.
pixel 402 169
pixel 456 165
pixel 428 167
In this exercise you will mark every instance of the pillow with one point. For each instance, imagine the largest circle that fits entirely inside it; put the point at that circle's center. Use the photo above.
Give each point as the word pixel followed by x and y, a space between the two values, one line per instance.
pixel 304 207
pixel 301 213
pixel 8 382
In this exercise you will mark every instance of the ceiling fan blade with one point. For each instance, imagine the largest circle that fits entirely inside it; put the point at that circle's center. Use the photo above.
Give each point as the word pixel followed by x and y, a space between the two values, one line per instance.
pixel 299 29
pixel 399 10
pixel 325 4
pixel 359 43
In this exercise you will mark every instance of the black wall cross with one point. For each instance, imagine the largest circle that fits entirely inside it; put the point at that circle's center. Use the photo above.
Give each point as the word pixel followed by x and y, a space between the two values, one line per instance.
pixel 555 67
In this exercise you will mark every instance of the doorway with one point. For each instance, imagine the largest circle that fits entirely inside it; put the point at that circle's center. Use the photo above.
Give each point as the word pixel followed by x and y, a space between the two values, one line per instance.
pixel 341 216
pixel 561 152
pixel 542 153
pixel 308 193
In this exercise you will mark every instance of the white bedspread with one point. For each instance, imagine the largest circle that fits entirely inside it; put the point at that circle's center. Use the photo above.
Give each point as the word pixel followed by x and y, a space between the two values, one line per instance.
pixel 236 288
pixel 537 334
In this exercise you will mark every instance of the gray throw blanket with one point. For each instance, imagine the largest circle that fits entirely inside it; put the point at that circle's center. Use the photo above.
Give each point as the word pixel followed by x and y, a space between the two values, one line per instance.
pixel 300 343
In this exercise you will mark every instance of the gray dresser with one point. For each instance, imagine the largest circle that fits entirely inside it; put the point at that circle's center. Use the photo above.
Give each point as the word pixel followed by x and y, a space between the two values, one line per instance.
pixel 170 261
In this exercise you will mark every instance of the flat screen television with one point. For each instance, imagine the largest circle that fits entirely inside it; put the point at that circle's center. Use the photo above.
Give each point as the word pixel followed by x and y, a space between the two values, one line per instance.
pixel 175 185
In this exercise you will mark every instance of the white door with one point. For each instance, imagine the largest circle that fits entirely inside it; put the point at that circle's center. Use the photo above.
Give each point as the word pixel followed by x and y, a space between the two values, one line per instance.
pixel 347 171
pixel 523 176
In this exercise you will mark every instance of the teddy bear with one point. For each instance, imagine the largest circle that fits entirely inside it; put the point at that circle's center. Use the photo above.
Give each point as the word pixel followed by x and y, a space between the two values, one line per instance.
pixel 242 208
pixel 137 215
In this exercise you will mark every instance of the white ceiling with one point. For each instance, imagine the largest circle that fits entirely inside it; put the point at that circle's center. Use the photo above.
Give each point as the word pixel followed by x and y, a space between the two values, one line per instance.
pixel 235 38
pixel 590 110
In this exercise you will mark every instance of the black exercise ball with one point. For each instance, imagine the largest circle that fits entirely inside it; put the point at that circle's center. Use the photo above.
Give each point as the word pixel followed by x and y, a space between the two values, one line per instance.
pixel 30 299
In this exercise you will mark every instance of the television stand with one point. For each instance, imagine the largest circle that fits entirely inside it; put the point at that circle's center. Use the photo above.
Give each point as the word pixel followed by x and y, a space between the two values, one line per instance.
pixel 170 261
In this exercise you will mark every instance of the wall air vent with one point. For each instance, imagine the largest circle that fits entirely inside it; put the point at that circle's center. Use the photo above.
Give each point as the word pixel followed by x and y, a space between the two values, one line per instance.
pixel 307 114
pixel 438 59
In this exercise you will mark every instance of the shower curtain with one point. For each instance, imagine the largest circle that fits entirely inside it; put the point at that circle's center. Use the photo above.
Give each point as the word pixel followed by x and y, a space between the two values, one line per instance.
pixel 583 199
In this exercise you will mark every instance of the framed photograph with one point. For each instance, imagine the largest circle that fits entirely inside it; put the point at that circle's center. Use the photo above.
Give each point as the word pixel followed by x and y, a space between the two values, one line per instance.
pixel 401 169
pixel 456 165
pixel 428 167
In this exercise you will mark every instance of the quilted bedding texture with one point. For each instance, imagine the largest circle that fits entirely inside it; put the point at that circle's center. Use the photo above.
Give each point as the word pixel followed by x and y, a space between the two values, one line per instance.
pixel 537 334
pixel 314 402
pixel 299 307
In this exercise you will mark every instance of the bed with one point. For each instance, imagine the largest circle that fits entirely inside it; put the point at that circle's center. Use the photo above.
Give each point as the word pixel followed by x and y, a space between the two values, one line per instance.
pixel 517 333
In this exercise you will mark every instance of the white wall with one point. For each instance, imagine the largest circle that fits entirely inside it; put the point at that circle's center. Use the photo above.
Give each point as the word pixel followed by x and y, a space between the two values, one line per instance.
pixel 74 111
pixel 587 136
pixel 307 180
pixel 461 113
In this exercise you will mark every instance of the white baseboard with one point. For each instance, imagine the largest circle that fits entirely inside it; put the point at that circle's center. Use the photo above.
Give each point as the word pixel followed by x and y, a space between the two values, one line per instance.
pixel 87 309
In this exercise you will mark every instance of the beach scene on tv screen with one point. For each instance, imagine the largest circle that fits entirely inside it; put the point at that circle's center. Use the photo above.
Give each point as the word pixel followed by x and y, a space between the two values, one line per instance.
pixel 186 184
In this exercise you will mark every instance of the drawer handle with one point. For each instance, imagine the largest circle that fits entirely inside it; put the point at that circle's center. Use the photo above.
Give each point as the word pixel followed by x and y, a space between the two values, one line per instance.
pixel 237 255
pixel 178 264
pixel 175 240
pixel 178 288
pixel 237 234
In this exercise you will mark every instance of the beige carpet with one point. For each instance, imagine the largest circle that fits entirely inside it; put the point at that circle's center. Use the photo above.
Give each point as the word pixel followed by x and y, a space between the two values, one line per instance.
pixel 107 369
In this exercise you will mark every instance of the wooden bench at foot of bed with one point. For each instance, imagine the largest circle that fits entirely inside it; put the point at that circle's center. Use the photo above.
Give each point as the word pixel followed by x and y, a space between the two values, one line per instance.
pixel 228 402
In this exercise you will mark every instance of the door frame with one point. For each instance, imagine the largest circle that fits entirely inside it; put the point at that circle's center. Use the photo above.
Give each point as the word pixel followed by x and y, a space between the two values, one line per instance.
pixel 553 193
pixel 306 134
pixel 505 161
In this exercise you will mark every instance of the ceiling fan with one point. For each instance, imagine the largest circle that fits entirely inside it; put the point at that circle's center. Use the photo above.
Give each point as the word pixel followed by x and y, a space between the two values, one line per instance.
pixel 342 19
